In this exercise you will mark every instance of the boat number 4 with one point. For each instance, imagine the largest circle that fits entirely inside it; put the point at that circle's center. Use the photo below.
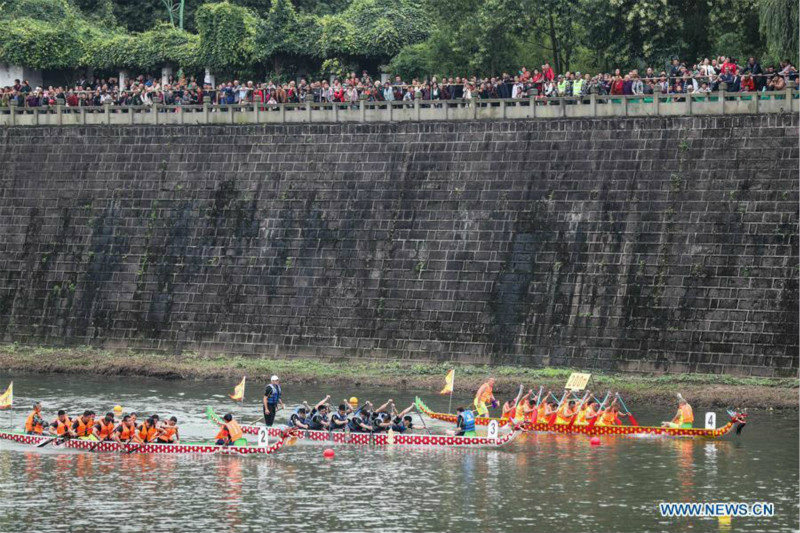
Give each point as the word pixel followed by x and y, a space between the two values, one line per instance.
pixel 711 420
pixel 492 430
pixel 263 437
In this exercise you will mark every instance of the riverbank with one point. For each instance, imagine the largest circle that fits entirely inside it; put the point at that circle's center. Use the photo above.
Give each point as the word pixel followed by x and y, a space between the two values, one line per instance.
pixel 705 390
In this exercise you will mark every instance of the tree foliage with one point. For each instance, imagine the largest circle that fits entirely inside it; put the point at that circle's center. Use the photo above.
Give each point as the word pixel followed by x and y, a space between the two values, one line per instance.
pixel 227 35
pixel 778 23
pixel 145 51
pixel 415 37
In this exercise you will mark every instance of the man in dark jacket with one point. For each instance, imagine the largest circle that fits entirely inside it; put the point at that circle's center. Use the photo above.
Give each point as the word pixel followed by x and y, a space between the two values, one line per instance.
pixel 755 70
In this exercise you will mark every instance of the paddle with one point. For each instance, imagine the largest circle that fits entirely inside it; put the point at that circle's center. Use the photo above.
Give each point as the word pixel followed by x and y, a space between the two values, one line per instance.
pixel 416 408
pixel 554 416
pixel 627 411
pixel 46 442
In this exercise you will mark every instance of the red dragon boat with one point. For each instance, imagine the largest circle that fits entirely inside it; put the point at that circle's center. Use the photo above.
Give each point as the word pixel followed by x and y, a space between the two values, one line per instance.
pixel 148 448
pixel 377 439
pixel 654 431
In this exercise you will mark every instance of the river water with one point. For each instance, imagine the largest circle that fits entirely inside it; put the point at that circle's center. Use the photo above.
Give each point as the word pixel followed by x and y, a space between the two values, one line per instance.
pixel 539 483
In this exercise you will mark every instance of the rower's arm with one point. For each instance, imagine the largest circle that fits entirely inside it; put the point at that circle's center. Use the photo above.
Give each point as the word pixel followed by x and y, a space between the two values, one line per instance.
pixel 383 407
pixel 405 411
pixel 322 402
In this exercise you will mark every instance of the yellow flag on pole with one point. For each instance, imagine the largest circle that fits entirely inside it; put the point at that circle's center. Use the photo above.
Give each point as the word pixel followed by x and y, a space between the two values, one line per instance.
pixel 7 398
pixel 238 392
pixel 448 382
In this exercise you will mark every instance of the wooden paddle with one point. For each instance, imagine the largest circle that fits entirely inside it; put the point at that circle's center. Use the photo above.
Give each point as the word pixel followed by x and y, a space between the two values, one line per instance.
pixel 48 441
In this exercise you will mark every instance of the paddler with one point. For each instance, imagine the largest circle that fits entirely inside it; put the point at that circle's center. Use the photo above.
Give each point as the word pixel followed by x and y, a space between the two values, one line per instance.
pixel 298 419
pixel 62 425
pixel 104 428
pixel 510 407
pixel 588 412
pixel 526 409
pixel 465 423
pixel 361 421
pixel 230 431
pixel 684 418
pixel 126 431
pixel 34 424
pixel 169 432
pixel 381 419
pixel 272 400
pixel 485 394
pixel 83 426
pixel 402 420
pixel 319 418
pixel 339 418
pixel 149 430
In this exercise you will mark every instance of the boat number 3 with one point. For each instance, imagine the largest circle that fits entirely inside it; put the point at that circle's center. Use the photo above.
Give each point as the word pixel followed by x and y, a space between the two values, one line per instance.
pixel 263 438
pixel 492 430
pixel 711 420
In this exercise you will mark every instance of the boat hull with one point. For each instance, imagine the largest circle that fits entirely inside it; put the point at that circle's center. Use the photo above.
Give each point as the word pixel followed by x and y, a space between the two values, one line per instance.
pixel 149 448
pixel 651 431
pixel 380 439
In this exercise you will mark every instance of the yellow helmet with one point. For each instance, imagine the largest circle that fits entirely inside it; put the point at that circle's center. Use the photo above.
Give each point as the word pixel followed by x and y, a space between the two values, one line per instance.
pixel 353 401
pixel 117 409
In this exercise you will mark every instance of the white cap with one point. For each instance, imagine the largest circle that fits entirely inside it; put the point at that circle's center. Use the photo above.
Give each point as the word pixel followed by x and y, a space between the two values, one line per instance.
pixel 274 378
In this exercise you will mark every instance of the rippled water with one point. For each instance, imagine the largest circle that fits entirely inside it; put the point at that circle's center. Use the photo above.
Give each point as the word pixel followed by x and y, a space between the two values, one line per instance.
pixel 540 483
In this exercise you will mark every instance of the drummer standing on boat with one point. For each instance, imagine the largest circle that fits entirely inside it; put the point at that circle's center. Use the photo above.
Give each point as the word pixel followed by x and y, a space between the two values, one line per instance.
pixel 484 395
pixel 272 400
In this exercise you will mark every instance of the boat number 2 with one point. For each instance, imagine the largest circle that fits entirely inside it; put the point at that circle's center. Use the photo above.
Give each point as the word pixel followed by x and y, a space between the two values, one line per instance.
pixel 263 438
pixel 711 420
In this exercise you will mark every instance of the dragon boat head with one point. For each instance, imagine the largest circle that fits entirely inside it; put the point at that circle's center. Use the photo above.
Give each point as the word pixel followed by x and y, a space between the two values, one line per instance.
pixel 739 418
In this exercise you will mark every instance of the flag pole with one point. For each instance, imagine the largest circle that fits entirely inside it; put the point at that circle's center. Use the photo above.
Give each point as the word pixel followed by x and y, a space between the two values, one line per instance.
pixel 450 402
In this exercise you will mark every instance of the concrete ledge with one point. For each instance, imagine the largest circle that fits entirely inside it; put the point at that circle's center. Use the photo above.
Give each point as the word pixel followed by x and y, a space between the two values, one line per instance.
pixel 719 103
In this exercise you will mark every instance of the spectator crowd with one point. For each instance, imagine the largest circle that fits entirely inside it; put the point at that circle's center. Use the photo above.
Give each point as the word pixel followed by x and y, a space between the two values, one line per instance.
pixel 703 77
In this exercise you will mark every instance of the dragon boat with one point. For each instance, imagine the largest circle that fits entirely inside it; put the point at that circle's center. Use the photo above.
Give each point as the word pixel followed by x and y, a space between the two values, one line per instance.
pixel 736 419
pixel 147 448
pixel 375 439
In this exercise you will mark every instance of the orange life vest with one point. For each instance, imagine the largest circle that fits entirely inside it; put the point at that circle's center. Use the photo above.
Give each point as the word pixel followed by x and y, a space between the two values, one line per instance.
pixel 687 415
pixel 581 420
pixel 508 412
pixel 30 427
pixel 234 430
pixel 83 429
pixel 62 427
pixel 561 417
pixel 168 434
pixel 608 418
pixel 106 429
pixel 223 434
pixel 126 433
pixel 542 409
pixel 147 433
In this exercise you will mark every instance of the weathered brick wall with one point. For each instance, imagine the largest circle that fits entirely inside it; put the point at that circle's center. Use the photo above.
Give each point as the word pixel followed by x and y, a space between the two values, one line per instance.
pixel 645 244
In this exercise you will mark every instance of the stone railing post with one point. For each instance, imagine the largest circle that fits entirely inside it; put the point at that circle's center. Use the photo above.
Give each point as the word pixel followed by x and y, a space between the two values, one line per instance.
pixel 624 105
pixel 790 86
pixel 689 104
pixel 154 113
pixel 532 103
pixel 256 108
pixel 308 111
pixel 12 111
pixel 416 109
pixel 283 113
pixel 657 102
pixel 107 111
pixel 59 114
pixel 389 109
pixel 593 104
pixel 206 105
pixel 362 111
pixel 723 88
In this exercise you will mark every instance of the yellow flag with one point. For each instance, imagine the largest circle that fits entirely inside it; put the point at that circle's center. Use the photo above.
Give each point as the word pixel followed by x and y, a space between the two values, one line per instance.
pixel 238 392
pixel 7 398
pixel 448 382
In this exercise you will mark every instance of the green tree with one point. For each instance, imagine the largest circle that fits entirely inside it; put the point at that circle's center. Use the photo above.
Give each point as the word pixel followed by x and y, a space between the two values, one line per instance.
pixel 227 36
pixel 162 45
pixel 778 21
